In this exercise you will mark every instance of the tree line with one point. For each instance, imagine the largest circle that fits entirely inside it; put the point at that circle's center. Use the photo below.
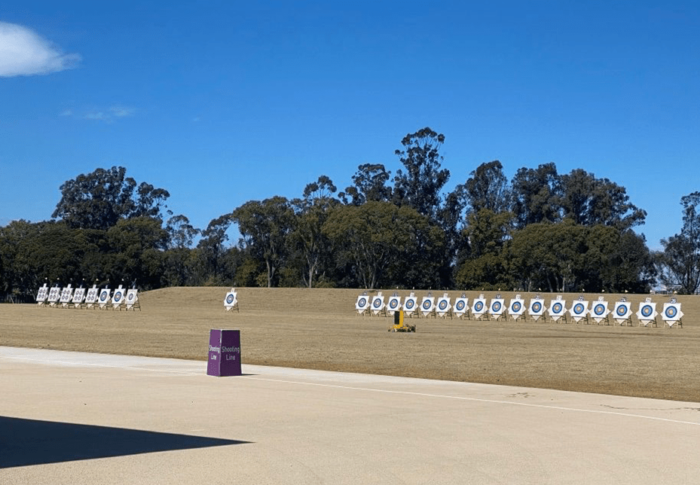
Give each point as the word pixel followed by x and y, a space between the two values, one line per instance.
pixel 542 230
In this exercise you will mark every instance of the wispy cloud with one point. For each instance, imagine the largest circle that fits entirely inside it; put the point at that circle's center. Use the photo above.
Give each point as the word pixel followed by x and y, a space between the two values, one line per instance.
pixel 24 53
pixel 107 115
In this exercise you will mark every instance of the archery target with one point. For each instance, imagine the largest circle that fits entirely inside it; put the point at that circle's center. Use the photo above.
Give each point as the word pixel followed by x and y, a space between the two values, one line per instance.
pixel 479 307
pixel 556 309
pixel 647 313
pixel 54 294
pixel 461 306
pixel 104 297
pixel 410 304
pixel 671 313
pixel 536 308
pixel 91 297
pixel 230 300
pixel 78 296
pixel 516 308
pixel 622 311
pixel 66 294
pixel 394 304
pixel 497 307
pixel 600 311
pixel 42 294
pixel 361 304
pixel 132 297
pixel 443 305
pixel 377 304
pixel 579 310
pixel 117 298
pixel 427 305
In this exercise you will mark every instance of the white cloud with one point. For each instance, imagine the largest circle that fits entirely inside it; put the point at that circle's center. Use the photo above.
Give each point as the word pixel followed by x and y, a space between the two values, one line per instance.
pixel 121 111
pixel 25 53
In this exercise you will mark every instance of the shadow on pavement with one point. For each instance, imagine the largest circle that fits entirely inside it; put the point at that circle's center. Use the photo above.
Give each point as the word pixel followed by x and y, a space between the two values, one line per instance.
pixel 25 442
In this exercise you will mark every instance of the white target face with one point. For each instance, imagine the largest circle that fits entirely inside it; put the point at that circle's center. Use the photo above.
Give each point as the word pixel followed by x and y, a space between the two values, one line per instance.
pixel 377 303
pixel 459 306
pixel 478 306
pixel 104 295
pixel 91 295
pixel 442 305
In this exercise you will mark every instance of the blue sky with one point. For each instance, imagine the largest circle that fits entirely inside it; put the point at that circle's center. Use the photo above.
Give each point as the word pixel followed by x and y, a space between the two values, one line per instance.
pixel 224 102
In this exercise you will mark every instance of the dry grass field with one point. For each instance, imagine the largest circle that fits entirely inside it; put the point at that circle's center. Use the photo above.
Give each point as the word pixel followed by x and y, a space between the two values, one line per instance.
pixel 319 329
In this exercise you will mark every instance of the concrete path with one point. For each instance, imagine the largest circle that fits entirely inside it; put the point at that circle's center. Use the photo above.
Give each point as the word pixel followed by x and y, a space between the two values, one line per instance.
pixel 76 418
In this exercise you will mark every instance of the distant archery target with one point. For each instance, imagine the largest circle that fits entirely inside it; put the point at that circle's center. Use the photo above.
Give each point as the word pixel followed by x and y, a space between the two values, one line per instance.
pixel 362 302
pixel 442 305
pixel 496 306
pixel 104 295
pixel 427 304
pixel 670 312
pixel 229 299
pixel 91 296
pixel 599 309
pixel 117 296
pixel 621 311
pixel 478 306
pixel 557 307
pixel 377 303
pixel 394 303
pixel 460 305
pixel 537 307
pixel 410 304
pixel 516 307
pixel 646 310
pixel 579 308
pixel 78 295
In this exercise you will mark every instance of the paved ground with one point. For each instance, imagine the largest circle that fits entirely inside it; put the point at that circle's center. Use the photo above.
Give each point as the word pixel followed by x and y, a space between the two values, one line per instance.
pixel 75 418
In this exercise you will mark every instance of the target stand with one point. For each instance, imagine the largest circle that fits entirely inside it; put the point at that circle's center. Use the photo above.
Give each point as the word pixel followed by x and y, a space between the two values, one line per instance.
pixel 132 300
pixel 231 301
pixel 377 305
pixel 42 295
pixel 362 304
pixel 622 313
pixel 599 312
pixel 647 313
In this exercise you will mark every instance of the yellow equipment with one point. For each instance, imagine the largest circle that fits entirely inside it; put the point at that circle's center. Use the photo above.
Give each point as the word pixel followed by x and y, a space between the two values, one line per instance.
pixel 400 325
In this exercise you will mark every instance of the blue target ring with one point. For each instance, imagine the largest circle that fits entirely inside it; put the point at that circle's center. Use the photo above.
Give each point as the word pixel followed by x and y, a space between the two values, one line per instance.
pixel 621 311
pixel 599 309
pixel 229 299
pixel 557 308
pixel 117 296
pixel 671 312
pixel 478 306
pixel 442 304
pixel 103 296
pixel 537 307
pixel 393 303
pixel 516 306
pixel 377 303
pixel 578 308
pixel 496 306
pixel 362 302
pixel 409 304
pixel 427 305
pixel 460 305
pixel 647 310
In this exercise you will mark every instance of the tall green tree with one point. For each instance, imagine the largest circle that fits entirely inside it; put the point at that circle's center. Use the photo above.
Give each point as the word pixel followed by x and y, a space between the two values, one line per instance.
pixel 369 184
pixel 265 227
pixel 100 199
pixel 536 195
pixel 588 200
pixel 420 182
pixel 312 211
pixel 679 262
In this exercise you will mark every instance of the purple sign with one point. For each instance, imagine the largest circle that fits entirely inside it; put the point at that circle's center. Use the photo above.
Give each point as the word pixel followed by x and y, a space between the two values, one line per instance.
pixel 224 353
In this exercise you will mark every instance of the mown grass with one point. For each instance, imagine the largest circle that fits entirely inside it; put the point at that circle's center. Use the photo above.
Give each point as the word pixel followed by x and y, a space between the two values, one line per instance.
pixel 319 329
